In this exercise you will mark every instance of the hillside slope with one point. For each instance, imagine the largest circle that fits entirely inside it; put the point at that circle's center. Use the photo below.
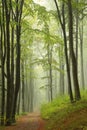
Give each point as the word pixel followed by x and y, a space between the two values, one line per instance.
pixel 63 115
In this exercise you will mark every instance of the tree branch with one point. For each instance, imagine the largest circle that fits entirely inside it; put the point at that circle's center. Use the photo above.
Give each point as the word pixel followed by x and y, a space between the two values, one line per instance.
pixel 58 11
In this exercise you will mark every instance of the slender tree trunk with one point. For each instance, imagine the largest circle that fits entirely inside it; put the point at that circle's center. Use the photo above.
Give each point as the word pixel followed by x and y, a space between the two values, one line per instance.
pixel 68 68
pixel 3 56
pixel 74 63
pixel 49 49
pixel 8 107
pixel 77 22
pixel 48 89
pixel 63 26
pixel 17 86
pixel 23 89
pixel 31 85
pixel 18 53
pixel 81 53
pixel 12 66
pixel 19 101
pixel 56 92
pixel 3 89
pixel 61 57
pixel 50 74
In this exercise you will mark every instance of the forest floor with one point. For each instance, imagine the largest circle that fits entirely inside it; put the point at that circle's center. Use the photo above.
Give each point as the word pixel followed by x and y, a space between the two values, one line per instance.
pixel 74 121
pixel 32 121
pixel 61 114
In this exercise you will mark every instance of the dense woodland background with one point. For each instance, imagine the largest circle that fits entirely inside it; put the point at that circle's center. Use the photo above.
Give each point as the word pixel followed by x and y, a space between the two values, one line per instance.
pixel 43 55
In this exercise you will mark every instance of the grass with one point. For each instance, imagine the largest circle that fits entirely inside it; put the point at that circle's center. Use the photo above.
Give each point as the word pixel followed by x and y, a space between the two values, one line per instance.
pixel 57 104
pixel 60 113
pixel 2 127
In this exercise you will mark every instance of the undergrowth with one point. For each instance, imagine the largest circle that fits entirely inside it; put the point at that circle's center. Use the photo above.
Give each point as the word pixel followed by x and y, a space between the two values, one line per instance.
pixel 60 108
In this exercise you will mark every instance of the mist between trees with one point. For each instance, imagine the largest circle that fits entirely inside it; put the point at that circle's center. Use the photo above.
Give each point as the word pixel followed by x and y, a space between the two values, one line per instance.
pixel 42 54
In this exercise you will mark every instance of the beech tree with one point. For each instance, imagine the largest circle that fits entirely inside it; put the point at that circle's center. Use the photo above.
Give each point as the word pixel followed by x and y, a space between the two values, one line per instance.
pixel 3 58
pixel 73 58
pixel 18 52
pixel 8 17
pixel 63 26
pixel 38 47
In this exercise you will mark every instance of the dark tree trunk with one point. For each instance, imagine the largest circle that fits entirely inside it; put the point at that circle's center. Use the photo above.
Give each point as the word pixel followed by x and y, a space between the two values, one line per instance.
pixel 3 56
pixel 77 24
pixel 3 87
pixel 19 101
pixel 74 62
pixel 8 107
pixel 3 91
pixel 18 53
pixel 17 86
pixel 12 66
pixel 63 26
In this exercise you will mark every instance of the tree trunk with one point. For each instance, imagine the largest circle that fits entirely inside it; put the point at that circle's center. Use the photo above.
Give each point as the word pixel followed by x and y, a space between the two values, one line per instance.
pixel 49 51
pixel 23 89
pixel 61 61
pixel 31 86
pixel 19 101
pixel 18 53
pixel 8 107
pixel 74 62
pixel 77 22
pixel 12 66
pixel 3 56
pixel 81 53
pixel 17 86
pixel 63 26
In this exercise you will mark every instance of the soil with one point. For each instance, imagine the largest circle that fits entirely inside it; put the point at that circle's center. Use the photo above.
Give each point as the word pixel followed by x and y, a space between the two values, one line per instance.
pixel 32 121
pixel 75 121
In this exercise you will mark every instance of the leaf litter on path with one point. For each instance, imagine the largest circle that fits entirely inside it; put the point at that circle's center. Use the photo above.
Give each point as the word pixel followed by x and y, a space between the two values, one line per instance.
pixel 32 121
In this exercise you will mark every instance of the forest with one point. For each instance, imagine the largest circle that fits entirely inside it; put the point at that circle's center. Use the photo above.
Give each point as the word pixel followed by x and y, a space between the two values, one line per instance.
pixel 43 60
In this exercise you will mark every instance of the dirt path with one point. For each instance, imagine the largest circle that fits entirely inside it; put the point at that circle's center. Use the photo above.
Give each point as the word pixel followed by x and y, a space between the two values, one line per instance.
pixel 31 121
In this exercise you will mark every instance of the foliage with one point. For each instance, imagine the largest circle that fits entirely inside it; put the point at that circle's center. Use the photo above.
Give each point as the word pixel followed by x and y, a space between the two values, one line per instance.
pixel 2 127
pixel 41 43
pixel 48 109
pixel 60 108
